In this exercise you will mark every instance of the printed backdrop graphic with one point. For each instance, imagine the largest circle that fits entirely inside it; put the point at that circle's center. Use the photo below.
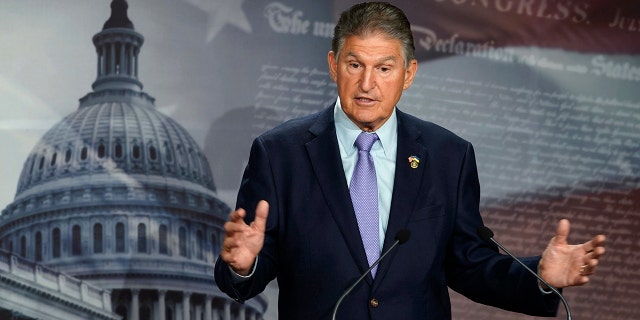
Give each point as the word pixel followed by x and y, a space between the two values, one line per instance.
pixel 547 91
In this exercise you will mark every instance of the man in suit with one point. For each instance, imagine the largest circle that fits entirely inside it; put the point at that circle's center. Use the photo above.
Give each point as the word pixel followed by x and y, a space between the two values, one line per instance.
pixel 309 228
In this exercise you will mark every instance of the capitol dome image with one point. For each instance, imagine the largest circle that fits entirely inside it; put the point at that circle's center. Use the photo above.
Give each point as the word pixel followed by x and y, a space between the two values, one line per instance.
pixel 117 202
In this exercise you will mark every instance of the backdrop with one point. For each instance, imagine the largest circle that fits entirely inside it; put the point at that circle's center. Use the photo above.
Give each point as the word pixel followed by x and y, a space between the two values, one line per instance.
pixel 547 91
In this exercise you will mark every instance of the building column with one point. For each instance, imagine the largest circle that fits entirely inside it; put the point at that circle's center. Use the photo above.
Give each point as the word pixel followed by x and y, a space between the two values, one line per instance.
pixel 186 308
pixel 112 59
pixel 241 312
pixel 207 308
pixel 135 304
pixel 227 310
pixel 161 305
pixel 100 57
pixel 136 51
pixel 123 60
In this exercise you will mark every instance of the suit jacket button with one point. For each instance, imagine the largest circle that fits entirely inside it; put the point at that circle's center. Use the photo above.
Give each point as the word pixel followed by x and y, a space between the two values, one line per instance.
pixel 374 303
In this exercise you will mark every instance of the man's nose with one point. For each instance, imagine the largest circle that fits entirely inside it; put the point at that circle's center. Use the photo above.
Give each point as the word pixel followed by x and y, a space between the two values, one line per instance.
pixel 367 80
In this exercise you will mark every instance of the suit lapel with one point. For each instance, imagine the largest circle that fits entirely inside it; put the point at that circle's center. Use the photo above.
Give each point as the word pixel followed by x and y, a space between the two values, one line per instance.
pixel 324 155
pixel 407 184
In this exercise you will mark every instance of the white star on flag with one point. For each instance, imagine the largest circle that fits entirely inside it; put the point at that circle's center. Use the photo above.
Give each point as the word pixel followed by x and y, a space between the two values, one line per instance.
pixel 220 13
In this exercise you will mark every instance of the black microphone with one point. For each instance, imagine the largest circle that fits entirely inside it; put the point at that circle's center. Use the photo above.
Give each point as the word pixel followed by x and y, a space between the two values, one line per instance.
pixel 487 235
pixel 401 237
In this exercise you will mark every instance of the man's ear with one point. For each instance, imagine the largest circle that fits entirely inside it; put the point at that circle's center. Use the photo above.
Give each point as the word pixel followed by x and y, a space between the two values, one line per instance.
pixel 410 74
pixel 332 60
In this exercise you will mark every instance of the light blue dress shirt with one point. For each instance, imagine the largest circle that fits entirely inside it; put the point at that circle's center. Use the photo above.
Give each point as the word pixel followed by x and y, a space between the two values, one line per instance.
pixel 383 153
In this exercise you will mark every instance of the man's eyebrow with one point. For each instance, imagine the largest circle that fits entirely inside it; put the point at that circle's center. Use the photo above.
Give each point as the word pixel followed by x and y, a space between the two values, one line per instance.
pixel 383 59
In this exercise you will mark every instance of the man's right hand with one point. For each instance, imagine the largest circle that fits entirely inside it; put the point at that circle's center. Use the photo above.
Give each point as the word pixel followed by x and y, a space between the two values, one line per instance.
pixel 243 242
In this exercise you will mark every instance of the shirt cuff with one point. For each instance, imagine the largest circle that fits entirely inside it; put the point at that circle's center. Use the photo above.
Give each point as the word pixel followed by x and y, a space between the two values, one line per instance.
pixel 543 290
pixel 238 278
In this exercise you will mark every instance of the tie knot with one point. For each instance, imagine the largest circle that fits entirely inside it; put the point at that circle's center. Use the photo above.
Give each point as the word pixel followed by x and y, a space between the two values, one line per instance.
pixel 365 141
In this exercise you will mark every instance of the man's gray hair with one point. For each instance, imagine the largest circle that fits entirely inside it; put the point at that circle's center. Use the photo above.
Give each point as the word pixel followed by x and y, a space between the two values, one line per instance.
pixel 369 18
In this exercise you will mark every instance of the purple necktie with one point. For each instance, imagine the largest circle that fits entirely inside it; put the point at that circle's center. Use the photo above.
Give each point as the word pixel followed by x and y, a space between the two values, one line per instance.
pixel 364 195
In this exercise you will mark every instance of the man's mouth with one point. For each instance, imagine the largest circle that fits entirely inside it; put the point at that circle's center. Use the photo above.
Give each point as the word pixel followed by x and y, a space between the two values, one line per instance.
pixel 364 99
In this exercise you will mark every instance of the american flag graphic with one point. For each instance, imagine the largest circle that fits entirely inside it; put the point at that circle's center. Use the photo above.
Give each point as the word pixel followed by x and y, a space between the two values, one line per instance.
pixel 546 90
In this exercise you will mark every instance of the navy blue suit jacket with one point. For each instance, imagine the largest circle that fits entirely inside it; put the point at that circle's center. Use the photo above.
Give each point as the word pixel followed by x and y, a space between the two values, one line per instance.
pixel 313 247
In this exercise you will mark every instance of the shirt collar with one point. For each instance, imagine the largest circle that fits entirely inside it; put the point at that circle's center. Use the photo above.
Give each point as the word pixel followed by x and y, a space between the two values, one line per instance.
pixel 347 132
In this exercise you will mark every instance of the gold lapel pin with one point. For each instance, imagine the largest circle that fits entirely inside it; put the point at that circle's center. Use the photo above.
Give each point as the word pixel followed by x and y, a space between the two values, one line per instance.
pixel 414 161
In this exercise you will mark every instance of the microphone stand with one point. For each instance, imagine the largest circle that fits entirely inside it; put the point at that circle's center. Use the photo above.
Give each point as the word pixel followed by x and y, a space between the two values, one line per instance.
pixel 401 237
pixel 486 234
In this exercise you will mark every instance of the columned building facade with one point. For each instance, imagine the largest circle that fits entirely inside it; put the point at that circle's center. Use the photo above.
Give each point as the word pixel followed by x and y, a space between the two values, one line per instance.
pixel 121 197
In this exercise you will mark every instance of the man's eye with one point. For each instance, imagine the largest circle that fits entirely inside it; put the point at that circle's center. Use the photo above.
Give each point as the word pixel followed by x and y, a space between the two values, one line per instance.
pixel 354 65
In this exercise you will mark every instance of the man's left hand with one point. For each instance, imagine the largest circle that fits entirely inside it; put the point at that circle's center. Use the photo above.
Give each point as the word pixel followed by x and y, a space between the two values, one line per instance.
pixel 563 265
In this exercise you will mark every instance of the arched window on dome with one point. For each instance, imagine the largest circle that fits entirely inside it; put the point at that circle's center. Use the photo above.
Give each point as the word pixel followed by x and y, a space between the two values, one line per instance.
pixel 136 152
pixel 119 237
pixel 183 161
pixel 199 244
pixel 195 163
pixel 102 150
pixel 163 236
pixel 97 238
pixel 84 153
pixel 76 240
pixel 55 239
pixel 182 241
pixel 153 153
pixel 118 150
pixel 142 238
pixel 54 157
pixel 23 246
pixel 41 164
pixel 38 241
pixel 168 155
pixel 67 155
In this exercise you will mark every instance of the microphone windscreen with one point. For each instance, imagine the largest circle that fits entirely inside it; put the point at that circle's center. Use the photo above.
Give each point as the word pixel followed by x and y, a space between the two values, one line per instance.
pixel 485 233
pixel 403 235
